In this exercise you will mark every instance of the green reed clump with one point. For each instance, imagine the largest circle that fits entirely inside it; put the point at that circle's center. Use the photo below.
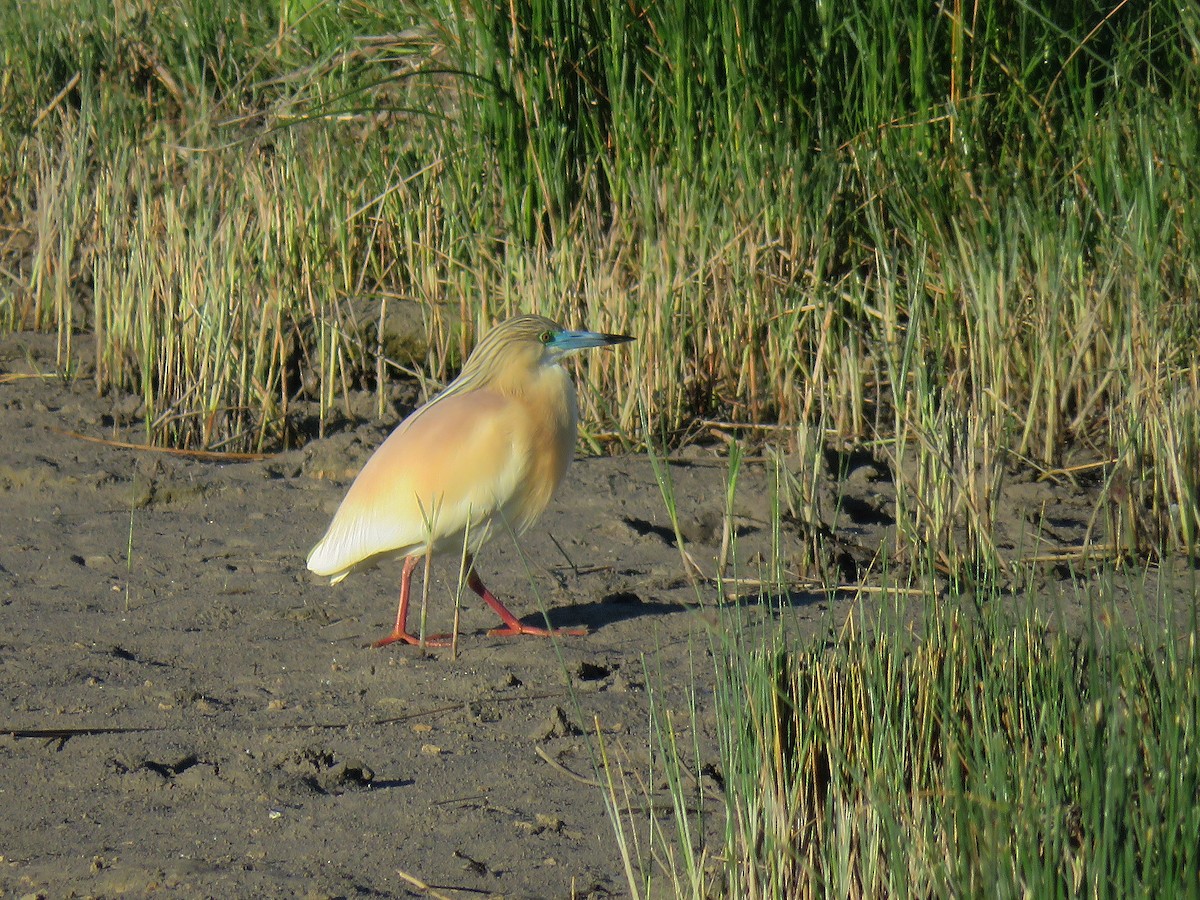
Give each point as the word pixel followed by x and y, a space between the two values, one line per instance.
pixel 923 745
pixel 965 756
pixel 962 235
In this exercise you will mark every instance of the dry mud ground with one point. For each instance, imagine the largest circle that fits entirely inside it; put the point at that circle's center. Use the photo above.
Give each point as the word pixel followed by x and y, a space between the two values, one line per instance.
pixel 186 711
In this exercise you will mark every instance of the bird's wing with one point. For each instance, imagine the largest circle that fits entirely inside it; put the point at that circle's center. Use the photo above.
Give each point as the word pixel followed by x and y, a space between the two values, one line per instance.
pixel 453 462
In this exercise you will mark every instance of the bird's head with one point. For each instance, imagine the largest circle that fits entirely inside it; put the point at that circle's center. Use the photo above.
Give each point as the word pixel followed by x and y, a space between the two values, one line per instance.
pixel 525 344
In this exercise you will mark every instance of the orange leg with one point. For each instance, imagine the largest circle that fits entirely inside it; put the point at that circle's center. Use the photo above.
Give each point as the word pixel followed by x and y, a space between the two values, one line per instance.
pixel 399 633
pixel 512 625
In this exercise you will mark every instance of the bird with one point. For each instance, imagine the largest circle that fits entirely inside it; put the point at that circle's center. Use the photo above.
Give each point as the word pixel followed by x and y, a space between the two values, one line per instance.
pixel 488 452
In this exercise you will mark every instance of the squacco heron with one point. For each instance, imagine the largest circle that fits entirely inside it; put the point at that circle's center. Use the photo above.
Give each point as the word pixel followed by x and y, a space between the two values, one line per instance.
pixel 489 451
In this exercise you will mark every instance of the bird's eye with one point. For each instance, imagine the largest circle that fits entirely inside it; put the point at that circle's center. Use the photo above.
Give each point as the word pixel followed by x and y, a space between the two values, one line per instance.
pixel 546 337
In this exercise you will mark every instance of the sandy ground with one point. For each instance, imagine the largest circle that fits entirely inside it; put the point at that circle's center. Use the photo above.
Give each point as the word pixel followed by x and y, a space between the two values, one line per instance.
pixel 185 710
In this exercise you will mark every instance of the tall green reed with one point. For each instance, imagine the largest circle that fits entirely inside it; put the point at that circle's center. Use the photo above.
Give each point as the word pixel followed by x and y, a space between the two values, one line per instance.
pixel 999 754
pixel 768 196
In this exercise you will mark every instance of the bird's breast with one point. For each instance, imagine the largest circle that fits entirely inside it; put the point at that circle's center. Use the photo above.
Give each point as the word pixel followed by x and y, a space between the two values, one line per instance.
pixel 550 417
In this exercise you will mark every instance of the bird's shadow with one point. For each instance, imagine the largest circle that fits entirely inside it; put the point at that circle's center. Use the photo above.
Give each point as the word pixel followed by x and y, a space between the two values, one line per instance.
pixel 622 606
pixel 617 607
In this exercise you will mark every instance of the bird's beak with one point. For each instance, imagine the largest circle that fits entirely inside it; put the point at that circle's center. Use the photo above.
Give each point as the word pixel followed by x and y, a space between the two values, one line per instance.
pixel 570 341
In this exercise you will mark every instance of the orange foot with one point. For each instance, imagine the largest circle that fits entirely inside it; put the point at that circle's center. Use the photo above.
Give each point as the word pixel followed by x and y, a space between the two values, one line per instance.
pixel 433 640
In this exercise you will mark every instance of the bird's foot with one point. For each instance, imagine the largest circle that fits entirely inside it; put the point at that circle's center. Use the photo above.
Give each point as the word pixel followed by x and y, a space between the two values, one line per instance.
pixel 511 630
pixel 433 640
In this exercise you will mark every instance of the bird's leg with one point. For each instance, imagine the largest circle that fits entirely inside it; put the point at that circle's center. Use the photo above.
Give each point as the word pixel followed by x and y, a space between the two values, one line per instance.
pixel 398 632
pixel 512 625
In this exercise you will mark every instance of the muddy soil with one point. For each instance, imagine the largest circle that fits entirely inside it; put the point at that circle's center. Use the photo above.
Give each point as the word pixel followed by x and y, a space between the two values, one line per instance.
pixel 186 711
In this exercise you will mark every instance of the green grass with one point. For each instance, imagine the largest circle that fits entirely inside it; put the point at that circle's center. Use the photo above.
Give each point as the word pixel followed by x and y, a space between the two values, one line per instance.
pixel 976 757
pixel 1041 742
pixel 962 236
pixel 931 751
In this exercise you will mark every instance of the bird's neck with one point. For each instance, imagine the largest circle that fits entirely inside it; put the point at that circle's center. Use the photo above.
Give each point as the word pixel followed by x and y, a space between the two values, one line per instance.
pixel 518 382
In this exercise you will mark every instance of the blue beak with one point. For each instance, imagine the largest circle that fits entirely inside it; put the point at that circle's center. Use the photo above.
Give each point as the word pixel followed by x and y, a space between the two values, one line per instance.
pixel 570 341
